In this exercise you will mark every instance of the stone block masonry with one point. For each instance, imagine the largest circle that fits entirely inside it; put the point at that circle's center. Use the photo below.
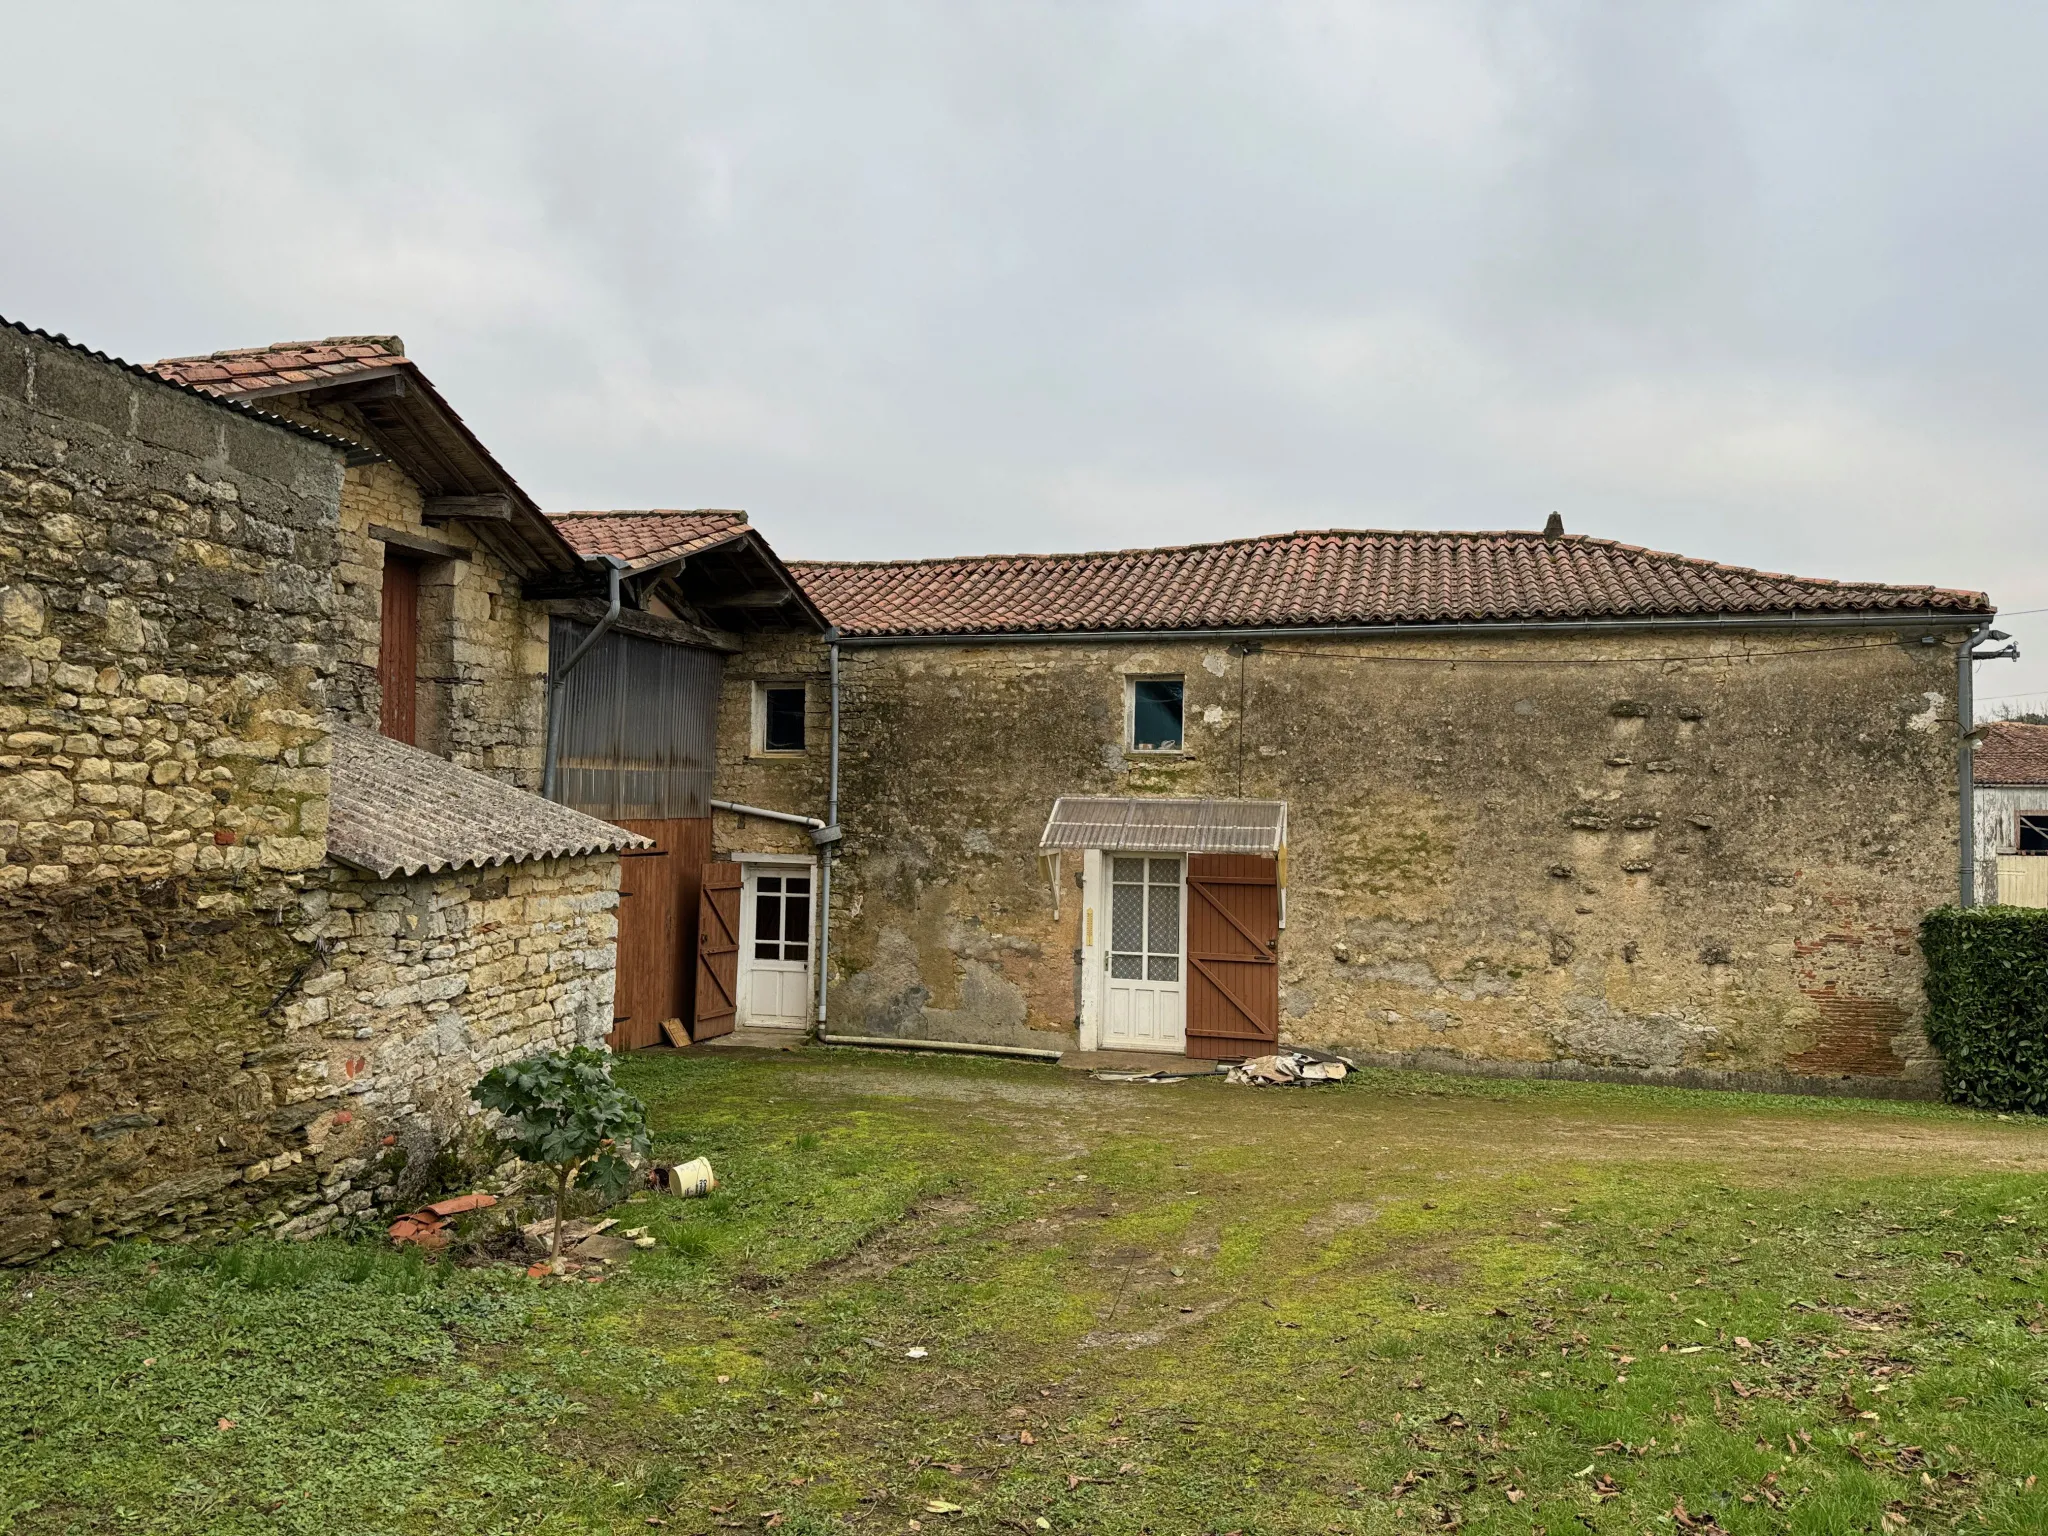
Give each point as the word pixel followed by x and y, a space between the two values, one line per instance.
pixel 206 1025
pixel 420 986
pixel 1687 856
pixel 166 645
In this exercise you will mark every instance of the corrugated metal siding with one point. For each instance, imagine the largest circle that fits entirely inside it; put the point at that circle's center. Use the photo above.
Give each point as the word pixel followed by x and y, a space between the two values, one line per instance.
pixel 1166 826
pixel 639 726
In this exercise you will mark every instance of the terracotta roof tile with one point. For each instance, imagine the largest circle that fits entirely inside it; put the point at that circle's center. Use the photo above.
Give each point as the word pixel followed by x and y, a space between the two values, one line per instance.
pixel 1336 577
pixel 2012 754
pixel 286 362
pixel 647 538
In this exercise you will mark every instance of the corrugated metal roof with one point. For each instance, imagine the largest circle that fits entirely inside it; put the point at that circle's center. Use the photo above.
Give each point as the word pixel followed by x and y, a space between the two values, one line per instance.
pixel 1166 826
pixel 398 810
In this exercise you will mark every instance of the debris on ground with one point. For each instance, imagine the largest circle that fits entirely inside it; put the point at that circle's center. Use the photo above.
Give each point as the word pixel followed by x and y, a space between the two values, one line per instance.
pixel 1295 1067
pixel 432 1225
pixel 686 1181
pixel 1151 1077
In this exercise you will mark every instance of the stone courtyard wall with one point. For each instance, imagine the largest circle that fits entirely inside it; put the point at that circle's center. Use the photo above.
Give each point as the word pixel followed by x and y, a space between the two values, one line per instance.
pixel 206 1026
pixel 1691 855
pixel 166 646
pixel 420 986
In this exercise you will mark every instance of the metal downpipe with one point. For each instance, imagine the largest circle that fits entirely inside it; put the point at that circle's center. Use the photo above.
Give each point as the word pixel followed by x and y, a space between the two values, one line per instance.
pixel 826 852
pixel 1966 795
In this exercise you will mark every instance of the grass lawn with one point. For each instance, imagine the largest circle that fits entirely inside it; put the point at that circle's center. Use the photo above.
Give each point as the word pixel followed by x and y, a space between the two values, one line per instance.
pixel 961 1296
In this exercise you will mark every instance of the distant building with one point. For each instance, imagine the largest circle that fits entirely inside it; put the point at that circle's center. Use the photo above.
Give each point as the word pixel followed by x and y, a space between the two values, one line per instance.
pixel 2010 770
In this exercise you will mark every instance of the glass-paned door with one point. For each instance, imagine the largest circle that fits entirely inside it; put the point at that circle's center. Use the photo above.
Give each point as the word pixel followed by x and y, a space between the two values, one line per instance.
pixel 1144 1007
pixel 777 946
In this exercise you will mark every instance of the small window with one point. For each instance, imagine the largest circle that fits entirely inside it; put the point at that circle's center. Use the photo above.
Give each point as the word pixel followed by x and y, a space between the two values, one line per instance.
pixel 779 716
pixel 2033 830
pixel 1155 714
pixel 782 918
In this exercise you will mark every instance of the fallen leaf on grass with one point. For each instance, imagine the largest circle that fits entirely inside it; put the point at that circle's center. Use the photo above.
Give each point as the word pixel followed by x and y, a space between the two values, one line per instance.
pixel 941 1507
pixel 227 1424
pixel 916 1352
pixel 1025 1437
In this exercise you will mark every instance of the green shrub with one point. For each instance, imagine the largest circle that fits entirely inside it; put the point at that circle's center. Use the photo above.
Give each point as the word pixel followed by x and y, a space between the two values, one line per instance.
pixel 563 1112
pixel 1987 1004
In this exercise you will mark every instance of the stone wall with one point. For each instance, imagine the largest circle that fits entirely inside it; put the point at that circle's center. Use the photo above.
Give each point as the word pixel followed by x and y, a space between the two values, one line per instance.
pixel 166 647
pixel 483 655
pixel 421 986
pixel 1709 858
pixel 777 783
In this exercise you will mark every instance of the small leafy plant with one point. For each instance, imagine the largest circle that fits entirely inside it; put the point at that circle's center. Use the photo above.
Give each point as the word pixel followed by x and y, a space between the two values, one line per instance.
pixel 564 1113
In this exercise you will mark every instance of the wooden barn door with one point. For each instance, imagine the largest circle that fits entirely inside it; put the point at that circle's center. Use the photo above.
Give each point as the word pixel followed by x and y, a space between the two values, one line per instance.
pixel 1233 955
pixel 718 951
pixel 658 891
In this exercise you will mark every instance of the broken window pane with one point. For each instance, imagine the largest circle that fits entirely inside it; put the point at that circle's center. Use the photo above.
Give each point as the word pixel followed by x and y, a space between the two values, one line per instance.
pixel 782 719
pixel 2033 830
pixel 1156 714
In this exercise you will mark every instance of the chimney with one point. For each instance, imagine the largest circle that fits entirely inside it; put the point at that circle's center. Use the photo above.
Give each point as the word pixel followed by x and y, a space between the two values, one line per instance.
pixel 1554 529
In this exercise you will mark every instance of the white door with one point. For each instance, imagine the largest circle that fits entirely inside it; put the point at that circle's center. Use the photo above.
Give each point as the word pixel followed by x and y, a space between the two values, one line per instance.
pixel 1143 1003
pixel 775 947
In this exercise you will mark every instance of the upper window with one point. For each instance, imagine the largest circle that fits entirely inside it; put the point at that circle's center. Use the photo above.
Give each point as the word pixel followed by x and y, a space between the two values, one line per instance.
pixel 1153 710
pixel 2033 832
pixel 779 717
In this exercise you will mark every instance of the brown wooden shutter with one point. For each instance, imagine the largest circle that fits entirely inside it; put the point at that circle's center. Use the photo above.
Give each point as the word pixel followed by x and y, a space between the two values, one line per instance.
pixel 398 649
pixel 1233 955
pixel 718 951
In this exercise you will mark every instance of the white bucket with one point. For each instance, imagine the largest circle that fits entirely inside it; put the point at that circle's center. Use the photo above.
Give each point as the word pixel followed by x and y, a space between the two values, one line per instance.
pixel 691 1180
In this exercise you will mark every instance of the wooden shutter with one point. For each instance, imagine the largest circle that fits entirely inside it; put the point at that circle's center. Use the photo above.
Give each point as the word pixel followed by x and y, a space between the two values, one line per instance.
pixel 1233 955
pixel 658 896
pixel 398 650
pixel 718 951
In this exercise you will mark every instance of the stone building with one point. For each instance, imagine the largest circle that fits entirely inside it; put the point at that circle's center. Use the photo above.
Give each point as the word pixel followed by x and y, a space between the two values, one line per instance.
pixel 2011 803
pixel 1506 802
pixel 256 951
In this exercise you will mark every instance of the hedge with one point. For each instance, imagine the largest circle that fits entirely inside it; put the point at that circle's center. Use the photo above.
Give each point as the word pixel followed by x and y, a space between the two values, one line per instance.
pixel 1987 1004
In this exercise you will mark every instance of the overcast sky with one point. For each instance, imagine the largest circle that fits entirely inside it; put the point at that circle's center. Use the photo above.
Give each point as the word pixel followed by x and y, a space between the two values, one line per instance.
pixel 1763 283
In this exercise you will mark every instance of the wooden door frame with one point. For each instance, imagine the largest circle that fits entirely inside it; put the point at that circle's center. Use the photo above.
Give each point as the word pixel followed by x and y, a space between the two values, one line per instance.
pixel 750 865
pixel 1095 938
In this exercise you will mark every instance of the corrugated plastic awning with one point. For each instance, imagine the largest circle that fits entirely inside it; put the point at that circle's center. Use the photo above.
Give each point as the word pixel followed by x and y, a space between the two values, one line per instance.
pixel 1166 826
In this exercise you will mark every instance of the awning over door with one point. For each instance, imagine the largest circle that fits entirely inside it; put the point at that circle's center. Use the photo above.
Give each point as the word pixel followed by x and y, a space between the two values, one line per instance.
pixel 1166 826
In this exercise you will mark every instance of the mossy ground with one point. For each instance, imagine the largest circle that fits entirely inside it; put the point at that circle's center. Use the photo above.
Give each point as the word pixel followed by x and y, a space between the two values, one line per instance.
pixel 1401 1304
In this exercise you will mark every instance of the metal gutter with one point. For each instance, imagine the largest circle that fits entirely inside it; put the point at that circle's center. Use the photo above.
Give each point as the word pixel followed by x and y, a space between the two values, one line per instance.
pixel 1423 630
pixel 549 774
pixel 965 1047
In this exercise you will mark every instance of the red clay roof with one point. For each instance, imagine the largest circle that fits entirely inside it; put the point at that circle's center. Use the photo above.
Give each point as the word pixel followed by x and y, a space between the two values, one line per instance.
pixel 647 538
pixel 1337 577
pixel 2012 754
pixel 242 369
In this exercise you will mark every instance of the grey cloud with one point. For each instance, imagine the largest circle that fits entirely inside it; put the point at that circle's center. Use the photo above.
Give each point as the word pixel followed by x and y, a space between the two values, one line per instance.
pixel 1753 281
